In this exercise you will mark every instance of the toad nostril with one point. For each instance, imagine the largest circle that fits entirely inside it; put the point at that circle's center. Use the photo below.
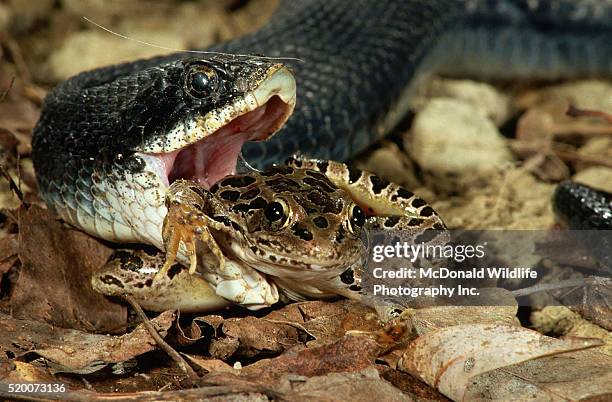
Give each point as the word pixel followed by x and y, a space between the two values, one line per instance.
pixel 321 222
pixel 302 232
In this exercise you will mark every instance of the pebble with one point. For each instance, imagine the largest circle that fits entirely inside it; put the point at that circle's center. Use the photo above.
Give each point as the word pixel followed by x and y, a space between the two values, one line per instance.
pixel 6 15
pixel 485 97
pixel 455 143
pixel 599 177
pixel 390 163
pixel 586 94
pixel 24 14
pixel 90 49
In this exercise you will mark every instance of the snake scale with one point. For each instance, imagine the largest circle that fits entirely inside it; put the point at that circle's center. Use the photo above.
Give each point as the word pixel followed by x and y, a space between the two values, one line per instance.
pixel 110 141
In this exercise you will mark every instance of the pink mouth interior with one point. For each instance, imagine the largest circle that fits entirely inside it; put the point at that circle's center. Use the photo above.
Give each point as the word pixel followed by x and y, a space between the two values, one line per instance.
pixel 214 157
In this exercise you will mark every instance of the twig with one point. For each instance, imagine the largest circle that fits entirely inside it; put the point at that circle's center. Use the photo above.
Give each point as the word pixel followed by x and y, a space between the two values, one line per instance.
pixel 17 56
pixel 291 324
pixel 573 111
pixel 548 286
pixel 521 146
pixel 183 365
pixel 571 155
pixel 12 185
pixel 6 92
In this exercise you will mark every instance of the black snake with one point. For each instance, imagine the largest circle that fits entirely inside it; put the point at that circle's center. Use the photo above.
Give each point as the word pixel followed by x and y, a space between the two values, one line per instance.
pixel 359 61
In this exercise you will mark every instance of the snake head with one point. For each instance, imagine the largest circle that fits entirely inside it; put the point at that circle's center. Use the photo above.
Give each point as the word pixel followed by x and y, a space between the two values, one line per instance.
pixel 194 115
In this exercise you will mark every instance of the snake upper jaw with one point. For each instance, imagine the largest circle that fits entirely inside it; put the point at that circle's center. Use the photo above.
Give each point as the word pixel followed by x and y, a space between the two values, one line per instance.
pixel 212 143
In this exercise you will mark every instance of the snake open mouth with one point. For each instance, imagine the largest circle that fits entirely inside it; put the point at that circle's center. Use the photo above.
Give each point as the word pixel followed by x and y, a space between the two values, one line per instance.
pixel 214 157
pixel 213 153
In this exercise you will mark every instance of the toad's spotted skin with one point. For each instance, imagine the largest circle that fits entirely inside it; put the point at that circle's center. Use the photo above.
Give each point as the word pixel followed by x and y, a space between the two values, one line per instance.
pixel 296 227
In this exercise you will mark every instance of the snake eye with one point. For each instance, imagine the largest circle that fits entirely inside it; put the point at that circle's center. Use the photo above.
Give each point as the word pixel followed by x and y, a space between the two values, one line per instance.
pixel 202 81
pixel 276 212
pixel 357 219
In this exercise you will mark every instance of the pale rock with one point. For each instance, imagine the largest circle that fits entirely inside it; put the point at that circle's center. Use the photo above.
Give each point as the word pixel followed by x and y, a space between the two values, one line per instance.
pixel 599 177
pixel 91 49
pixel 25 13
pixel 6 15
pixel 456 144
pixel 485 97
pixel 600 147
pixel 587 94
pixel 101 7
pixel 390 163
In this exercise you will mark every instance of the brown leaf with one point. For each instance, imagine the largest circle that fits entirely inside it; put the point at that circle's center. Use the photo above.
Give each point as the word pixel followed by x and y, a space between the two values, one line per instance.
pixel 326 322
pixel 209 365
pixel 364 385
pixel 593 300
pixel 26 372
pixel 350 353
pixel 410 385
pixel 313 323
pixel 251 336
pixel 432 318
pixel 450 358
pixel 8 253
pixel 582 375
pixel 18 115
pixel 67 350
pixel 54 280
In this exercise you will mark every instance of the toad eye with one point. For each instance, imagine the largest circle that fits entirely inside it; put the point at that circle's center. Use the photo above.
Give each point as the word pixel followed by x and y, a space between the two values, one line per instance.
pixel 276 212
pixel 357 219
pixel 202 81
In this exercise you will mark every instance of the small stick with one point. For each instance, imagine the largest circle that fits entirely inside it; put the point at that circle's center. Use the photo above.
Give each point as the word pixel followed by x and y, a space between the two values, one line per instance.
pixel 573 111
pixel 547 286
pixel 12 185
pixel 183 365
pixel 6 92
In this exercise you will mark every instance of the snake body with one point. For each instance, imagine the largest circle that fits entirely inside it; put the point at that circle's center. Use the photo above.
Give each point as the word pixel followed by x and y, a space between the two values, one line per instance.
pixel 359 61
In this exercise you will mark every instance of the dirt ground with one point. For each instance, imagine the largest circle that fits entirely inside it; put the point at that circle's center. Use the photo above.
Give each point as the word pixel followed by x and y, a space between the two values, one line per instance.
pixel 517 143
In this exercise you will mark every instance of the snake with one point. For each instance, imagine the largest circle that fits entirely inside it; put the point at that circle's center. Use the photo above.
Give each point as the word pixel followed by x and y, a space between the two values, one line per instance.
pixel 323 78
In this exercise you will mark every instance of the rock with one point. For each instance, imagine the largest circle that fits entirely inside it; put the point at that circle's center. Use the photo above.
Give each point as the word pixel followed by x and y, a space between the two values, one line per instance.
pixel 96 8
pixel 455 144
pixel 599 177
pixel 25 13
pixel 587 94
pixel 600 147
pixel 90 49
pixel 560 320
pixel 484 97
pixel 6 15
pixel 176 26
pixel 512 199
pixel 390 163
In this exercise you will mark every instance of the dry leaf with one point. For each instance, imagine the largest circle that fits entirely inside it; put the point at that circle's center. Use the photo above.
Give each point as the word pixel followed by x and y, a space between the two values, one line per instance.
pixel 68 350
pixel 54 280
pixel 593 300
pixel 582 375
pixel 312 323
pixel 26 372
pixel 209 365
pixel 432 318
pixel 8 253
pixel 449 359
pixel 351 353
pixel 359 386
